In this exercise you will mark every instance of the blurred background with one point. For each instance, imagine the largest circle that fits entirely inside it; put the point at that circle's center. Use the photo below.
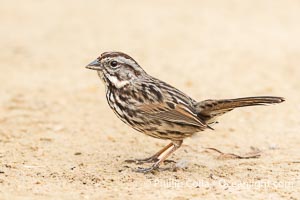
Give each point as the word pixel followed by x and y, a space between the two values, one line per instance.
pixel 53 111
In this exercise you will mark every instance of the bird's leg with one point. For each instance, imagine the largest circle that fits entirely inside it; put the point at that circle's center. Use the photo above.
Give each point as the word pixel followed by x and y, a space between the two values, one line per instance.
pixel 150 159
pixel 163 156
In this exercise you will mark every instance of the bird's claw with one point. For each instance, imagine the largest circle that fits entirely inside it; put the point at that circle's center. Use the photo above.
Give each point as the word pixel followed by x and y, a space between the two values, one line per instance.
pixel 142 161
pixel 147 170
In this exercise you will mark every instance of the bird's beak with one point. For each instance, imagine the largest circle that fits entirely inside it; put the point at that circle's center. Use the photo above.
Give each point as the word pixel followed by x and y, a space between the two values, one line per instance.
pixel 95 65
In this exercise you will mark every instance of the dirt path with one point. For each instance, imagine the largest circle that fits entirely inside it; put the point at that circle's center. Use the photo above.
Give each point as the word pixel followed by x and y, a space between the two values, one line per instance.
pixel 60 140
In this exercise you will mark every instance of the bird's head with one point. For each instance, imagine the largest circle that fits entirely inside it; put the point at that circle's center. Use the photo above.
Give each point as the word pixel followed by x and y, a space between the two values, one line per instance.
pixel 116 68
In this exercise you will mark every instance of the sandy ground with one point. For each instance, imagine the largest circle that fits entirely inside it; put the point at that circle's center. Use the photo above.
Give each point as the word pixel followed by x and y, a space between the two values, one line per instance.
pixel 60 140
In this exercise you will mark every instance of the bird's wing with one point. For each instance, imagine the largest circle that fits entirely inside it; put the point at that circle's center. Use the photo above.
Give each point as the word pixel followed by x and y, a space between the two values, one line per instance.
pixel 171 112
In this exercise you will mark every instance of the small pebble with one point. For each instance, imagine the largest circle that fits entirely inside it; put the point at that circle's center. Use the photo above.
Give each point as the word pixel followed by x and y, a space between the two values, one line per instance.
pixel 182 164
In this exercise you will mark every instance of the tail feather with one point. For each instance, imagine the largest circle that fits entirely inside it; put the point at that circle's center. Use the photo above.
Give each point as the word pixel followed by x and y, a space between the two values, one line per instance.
pixel 209 109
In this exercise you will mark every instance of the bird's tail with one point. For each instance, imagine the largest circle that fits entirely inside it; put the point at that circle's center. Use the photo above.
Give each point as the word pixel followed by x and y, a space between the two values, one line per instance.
pixel 209 109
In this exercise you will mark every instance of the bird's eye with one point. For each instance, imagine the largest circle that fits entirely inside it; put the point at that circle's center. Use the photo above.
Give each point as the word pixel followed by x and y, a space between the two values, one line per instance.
pixel 113 63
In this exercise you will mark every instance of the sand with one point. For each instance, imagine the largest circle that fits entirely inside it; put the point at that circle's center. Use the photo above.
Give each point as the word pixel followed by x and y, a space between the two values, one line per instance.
pixel 60 140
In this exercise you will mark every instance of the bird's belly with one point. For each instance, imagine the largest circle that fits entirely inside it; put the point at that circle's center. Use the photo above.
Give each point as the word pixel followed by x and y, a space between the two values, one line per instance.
pixel 154 127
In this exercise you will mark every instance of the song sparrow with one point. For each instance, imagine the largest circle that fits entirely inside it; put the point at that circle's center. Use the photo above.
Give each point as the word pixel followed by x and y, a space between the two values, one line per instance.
pixel 157 109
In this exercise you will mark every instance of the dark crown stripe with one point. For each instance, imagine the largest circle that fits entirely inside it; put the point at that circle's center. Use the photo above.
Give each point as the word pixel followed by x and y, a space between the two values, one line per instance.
pixel 115 54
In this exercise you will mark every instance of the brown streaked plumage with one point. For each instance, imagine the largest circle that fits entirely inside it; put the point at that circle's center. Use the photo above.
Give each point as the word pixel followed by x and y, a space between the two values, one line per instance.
pixel 157 109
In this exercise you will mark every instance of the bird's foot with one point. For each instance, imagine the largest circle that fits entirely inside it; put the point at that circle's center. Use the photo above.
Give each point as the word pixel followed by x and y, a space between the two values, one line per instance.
pixel 147 170
pixel 147 160
pixel 142 161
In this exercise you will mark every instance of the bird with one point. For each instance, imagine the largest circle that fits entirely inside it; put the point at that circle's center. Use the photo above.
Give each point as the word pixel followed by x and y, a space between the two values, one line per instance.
pixel 156 108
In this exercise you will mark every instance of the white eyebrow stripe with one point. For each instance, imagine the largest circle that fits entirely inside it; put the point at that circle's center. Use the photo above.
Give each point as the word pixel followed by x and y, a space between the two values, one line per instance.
pixel 130 62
